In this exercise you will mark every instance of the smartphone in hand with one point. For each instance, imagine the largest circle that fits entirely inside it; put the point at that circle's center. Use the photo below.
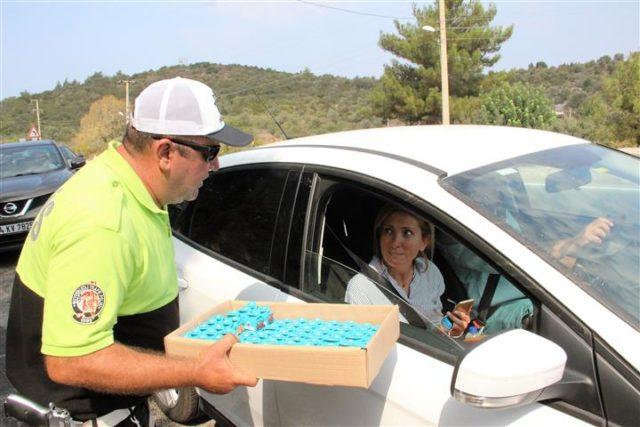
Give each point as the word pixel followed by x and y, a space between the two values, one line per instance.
pixel 464 306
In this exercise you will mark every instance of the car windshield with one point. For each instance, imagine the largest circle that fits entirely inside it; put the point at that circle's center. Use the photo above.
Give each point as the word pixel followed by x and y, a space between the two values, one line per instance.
pixel 576 206
pixel 29 160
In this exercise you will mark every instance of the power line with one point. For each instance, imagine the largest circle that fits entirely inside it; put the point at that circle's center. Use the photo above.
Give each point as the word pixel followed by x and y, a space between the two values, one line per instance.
pixel 469 38
pixel 376 15
pixel 355 12
pixel 278 81
pixel 61 122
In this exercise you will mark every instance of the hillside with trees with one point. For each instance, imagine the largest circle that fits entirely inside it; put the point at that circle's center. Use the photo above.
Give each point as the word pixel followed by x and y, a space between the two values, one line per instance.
pixel 86 114
pixel 598 100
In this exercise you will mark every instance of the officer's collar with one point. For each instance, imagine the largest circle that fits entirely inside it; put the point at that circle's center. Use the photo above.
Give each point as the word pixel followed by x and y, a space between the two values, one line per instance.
pixel 129 178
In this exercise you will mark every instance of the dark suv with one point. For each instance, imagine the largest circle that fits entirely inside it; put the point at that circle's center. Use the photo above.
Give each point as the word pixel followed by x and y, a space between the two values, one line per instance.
pixel 29 173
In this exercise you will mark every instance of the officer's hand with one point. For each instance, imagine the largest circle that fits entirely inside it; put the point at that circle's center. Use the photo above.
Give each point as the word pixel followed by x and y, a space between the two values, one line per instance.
pixel 214 371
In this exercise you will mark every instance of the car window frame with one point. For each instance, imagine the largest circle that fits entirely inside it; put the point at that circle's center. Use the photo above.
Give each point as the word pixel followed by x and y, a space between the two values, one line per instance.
pixel 187 210
pixel 488 253
pixel 442 220
pixel 615 376
pixel 329 178
pixel 64 150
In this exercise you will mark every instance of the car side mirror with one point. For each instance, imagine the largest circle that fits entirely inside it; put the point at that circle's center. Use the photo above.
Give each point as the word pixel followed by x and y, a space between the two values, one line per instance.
pixel 511 369
pixel 77 162
pixel 567 179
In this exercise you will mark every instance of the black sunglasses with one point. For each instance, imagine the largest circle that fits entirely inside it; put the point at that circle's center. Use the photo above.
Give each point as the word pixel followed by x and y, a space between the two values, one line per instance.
pixel 208 152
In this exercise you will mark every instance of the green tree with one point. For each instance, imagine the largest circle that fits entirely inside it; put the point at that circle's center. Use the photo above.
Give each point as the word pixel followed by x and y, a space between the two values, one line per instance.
pixel 100 125
pixel 590 122
pixel 518 105
pixel 622 93
pixel 410 90
pixel 467 110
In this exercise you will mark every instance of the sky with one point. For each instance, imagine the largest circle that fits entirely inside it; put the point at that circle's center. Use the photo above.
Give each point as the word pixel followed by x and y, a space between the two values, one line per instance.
pixel 45 42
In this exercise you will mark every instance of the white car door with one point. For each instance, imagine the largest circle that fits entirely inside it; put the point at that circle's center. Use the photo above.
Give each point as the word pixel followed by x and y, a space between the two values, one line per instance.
pixel 413 386
pixel 234 216
pixel 209 282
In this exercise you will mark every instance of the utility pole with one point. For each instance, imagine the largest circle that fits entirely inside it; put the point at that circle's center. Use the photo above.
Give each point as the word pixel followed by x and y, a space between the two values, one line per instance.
pixel 443 65
pixel 126 84
pixel 37 111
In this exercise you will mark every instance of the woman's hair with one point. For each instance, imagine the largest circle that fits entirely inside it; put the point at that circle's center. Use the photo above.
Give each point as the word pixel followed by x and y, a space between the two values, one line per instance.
pixel 426 228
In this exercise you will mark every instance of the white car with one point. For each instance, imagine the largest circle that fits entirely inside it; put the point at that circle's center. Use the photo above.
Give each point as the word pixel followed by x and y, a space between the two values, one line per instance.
pixel 561 345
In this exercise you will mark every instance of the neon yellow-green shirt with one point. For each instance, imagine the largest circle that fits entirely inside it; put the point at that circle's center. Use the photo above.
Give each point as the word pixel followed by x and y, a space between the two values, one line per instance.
pixel 100 248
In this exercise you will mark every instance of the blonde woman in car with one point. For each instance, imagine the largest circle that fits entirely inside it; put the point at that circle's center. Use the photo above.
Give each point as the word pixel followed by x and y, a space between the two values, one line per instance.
pixel 403 244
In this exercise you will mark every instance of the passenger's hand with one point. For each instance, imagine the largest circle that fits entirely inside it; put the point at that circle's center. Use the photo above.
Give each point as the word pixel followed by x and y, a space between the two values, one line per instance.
pixel 214 371
pixel 565 250
pixel 460 320
pixel 594 233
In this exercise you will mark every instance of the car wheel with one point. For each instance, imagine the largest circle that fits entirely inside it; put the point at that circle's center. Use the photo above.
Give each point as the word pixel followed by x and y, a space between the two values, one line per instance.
pixel 179 404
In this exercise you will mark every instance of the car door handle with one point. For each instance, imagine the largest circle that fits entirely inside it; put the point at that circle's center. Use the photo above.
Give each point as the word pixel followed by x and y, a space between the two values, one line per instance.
pixel 182 283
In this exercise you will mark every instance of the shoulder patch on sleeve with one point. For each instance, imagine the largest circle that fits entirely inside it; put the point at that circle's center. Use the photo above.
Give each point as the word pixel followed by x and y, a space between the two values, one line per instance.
pixel 87 303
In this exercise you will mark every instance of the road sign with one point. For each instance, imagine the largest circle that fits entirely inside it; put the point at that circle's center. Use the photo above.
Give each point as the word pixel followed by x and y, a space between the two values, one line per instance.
pixel 33 134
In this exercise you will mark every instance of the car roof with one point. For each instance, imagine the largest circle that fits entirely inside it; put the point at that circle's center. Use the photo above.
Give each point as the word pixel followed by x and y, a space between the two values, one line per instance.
pixel 451 149
pixel 28 143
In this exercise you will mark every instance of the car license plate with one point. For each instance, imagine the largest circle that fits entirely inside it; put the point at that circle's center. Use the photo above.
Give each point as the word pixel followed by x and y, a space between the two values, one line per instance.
pixel 19 227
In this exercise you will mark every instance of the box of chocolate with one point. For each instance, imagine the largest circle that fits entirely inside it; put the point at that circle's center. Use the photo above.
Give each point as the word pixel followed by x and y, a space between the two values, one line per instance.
pixel 327 344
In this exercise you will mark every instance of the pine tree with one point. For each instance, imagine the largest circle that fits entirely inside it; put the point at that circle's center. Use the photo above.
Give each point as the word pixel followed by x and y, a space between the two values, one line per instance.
pixel 410 90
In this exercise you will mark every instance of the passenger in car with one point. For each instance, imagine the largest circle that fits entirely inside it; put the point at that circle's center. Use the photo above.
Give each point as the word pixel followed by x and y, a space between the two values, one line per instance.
pixel 508 307
pixel 42 161
pixel 401 244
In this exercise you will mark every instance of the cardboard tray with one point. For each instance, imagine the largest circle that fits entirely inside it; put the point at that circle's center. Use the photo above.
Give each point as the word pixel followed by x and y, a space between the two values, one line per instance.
pixel 345 366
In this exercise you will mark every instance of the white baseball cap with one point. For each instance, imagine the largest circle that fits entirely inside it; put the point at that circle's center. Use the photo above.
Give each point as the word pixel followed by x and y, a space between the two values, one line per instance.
pixel 183 107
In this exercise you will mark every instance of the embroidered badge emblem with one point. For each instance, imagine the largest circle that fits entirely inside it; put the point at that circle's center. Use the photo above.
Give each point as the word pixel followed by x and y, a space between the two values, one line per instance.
pixel 87 303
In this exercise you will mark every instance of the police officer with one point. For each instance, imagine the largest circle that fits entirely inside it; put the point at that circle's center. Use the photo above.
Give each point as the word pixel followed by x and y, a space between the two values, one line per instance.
pixel 96 288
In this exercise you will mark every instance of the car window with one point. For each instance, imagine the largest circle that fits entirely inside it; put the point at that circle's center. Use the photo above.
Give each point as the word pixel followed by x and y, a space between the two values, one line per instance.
pixel 29 160
pixel 179 216
pixel 343 239
pixel 341 266
pixel 235 215
pixel 497 302
pixel 67 153
pixel 578 207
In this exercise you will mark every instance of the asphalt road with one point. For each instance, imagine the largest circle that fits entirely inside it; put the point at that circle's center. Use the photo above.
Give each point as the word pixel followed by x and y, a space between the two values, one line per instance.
pixel 8 261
